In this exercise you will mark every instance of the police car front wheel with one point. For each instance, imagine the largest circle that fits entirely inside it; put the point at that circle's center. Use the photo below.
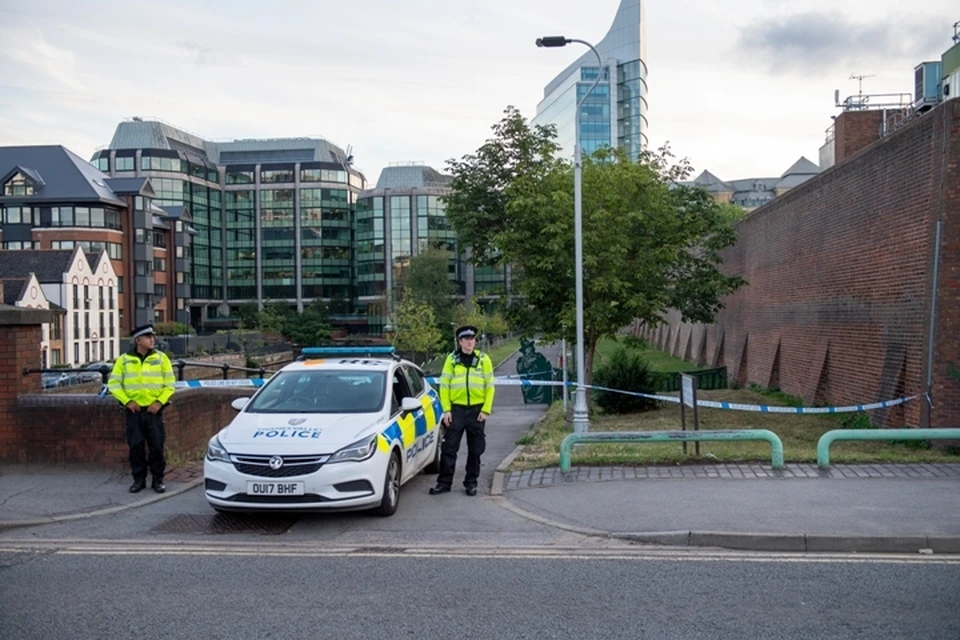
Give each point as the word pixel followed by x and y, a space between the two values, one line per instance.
pixel 391 488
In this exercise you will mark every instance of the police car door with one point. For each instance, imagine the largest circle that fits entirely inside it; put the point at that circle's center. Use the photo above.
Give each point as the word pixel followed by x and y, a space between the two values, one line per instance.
pixel 412 426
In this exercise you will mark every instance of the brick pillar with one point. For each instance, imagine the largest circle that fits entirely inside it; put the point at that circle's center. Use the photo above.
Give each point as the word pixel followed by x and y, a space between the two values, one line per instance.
pixel 855 130
pixel 20 337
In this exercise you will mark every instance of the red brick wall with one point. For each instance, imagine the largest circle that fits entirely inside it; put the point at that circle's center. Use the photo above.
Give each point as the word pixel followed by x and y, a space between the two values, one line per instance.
pixel 19 349
pixel 84 429
pixel 840 270
pixel 855 130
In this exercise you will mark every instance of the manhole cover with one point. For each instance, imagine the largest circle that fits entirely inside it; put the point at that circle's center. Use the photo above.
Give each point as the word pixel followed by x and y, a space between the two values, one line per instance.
pixel 226 523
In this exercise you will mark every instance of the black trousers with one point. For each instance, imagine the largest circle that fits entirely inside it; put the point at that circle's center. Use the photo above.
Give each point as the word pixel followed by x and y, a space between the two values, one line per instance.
pixel 464 420
pixel 146 429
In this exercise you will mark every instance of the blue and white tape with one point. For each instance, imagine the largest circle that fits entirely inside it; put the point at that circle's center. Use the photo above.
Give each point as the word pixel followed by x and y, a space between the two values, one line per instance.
pixel 510 381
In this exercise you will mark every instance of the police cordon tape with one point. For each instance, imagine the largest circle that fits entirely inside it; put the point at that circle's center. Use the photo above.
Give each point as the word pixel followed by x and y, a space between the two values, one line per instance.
pixel 513 382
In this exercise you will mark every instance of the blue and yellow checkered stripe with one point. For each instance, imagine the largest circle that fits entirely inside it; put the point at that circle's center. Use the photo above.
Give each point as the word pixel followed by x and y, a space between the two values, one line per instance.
pixel 406 429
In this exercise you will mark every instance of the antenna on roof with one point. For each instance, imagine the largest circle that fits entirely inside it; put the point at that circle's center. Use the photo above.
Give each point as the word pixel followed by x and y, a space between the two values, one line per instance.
pixel 860 78
pixel 956 31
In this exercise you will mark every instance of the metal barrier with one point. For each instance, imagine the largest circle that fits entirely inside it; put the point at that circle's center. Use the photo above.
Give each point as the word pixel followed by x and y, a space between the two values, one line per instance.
pixel 827 439
pixel 776 446
pixel 225 368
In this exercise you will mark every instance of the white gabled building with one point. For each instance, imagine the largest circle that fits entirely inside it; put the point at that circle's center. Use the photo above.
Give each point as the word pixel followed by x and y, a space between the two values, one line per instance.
pixel 84 287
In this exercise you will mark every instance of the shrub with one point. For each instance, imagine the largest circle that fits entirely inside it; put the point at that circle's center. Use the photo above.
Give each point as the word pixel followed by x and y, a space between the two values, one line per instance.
pixel 173 328
pixel 628 372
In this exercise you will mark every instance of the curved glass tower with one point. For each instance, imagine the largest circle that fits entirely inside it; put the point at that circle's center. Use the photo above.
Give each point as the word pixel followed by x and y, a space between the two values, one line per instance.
pixel 615 112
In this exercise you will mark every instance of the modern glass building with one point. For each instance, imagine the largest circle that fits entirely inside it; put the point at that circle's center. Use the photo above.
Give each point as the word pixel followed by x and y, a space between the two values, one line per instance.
pixel 273 219
pixel 615 112
pixel 401 217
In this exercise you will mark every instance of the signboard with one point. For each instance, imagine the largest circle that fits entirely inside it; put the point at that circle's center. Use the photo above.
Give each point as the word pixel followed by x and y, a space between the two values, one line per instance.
pixel 688 398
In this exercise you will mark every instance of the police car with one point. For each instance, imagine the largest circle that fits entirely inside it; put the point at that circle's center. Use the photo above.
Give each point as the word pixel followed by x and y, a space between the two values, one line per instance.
pixel 339 429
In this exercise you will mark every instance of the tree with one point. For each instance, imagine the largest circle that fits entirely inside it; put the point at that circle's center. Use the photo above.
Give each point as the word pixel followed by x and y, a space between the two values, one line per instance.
pixel 732 212
pixel 415 328
pixel 648 247
pixel 490 323
pixel 426 281
pixel 310 327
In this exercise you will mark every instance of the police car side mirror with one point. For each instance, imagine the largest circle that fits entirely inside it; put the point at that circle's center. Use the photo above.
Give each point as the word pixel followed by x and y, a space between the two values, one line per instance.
pixel 410 404
pixel 239 403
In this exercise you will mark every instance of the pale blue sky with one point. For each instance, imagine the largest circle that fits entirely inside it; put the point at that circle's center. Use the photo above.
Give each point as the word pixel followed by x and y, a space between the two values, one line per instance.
pixel 742 88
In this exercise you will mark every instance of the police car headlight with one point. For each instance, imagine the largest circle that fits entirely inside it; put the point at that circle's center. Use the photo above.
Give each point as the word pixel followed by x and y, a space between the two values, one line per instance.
pixel 216 452
pixel 358 451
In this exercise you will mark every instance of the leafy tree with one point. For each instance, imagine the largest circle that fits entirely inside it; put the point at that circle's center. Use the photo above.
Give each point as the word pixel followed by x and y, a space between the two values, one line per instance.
pixel 309 328
pixel 647 247
pixel 426 281
pixel 415 328
pixel 490 323
pixel 732 212
pixel 249 314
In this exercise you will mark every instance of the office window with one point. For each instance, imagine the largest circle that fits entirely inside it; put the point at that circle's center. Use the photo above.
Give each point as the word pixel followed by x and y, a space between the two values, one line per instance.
pixel 100 289
pixel 86 296
pixel 140 235
pixel 123 164
pixel 103 327
pixel 86 325
pixel 76 296
pixel 112 354
pixel 159 264
pixel 180 277
pixel 113 327
pixel 76 353
pixel 142 268
pixel 110 296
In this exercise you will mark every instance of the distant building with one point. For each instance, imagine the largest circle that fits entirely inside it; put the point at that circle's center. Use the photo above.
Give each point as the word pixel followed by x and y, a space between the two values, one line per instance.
pixel 399 218
pixel 82 286
pixel 615 114
pixel 751 193
pixel 53 199
pixel 273 217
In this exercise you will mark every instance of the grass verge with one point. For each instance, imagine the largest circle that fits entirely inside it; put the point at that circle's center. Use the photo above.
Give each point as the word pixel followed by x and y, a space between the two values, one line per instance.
pixel 799 434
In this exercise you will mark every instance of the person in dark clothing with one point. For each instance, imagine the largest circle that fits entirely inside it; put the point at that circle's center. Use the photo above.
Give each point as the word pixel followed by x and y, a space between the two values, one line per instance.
pixel 466 396
pixel 142 380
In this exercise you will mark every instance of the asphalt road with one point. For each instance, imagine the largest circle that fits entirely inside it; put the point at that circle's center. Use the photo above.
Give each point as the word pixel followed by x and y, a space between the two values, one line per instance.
pixel 212 591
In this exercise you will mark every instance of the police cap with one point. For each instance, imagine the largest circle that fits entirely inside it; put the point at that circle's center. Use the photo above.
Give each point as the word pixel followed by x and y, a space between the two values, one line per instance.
pixel 143 330
pixel 467 331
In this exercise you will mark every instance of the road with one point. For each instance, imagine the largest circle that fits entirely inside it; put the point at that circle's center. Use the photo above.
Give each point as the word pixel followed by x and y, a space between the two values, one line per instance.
pixel 150 590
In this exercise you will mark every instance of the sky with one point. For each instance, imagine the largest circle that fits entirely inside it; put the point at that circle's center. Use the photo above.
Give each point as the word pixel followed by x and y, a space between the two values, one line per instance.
pixel 741 88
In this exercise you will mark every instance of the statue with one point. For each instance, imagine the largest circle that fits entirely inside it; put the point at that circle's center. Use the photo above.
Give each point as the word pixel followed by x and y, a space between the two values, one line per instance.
pixel 532 365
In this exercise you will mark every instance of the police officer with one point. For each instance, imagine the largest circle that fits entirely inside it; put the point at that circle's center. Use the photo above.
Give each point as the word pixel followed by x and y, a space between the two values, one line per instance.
pixel 142 380
pixel 466 396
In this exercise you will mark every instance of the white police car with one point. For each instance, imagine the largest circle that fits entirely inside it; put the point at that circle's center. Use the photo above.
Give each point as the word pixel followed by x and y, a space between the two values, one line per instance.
pixel 342 428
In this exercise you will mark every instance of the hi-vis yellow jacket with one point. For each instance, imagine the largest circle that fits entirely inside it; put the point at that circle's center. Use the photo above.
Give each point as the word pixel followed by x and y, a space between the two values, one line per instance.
pixel 144 380
pixel 467 386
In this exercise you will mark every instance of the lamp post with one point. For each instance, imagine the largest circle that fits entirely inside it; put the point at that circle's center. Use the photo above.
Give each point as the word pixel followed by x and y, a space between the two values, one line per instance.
pixel 581 423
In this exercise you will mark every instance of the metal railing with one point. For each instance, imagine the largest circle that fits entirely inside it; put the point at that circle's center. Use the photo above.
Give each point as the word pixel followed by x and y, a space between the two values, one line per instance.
pixel 827 439
pixel 104 372
pixel 638 437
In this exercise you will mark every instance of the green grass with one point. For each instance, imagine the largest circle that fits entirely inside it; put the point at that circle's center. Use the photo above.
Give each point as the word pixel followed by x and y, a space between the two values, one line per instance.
pixel 658 360
pixel 799 434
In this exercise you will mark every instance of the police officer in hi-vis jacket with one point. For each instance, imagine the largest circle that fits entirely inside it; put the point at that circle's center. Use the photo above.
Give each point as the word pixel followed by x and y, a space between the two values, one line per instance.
pixel 142 381
pixel 466 396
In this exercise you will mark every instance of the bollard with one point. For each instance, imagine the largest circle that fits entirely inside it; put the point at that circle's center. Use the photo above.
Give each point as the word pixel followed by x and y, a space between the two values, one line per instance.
pixel 827 439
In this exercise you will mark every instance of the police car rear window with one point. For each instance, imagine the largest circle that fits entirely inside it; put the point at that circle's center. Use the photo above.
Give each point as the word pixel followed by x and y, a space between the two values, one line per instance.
pixel 326 391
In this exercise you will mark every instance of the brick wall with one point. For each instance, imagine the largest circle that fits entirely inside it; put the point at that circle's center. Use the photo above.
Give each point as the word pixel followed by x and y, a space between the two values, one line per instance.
pixel 855 130
pixel 840 270
pixel 86 429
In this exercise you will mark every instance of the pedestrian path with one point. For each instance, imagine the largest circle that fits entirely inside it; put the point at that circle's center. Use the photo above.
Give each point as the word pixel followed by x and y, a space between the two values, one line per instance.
pixel 743 471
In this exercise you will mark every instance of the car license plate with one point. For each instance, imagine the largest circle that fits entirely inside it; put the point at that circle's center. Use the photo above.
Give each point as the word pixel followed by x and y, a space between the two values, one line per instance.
pixel 274 488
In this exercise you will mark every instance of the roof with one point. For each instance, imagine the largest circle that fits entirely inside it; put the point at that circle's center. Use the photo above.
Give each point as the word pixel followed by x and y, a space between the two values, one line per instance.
pixel 802 167
pixel 178 211
pixel 12 290
pixel 128 186
pixel 153 134
pixel 66 176
pixel 411 176
pixel 48 265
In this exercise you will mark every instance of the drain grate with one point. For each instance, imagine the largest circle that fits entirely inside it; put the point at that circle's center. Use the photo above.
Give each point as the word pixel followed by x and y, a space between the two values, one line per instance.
pixel 226 523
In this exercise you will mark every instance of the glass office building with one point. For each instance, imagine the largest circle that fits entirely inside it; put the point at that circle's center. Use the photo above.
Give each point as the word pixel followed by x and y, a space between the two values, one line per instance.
pixel 615 112
pixel 272 219
pixel 402 216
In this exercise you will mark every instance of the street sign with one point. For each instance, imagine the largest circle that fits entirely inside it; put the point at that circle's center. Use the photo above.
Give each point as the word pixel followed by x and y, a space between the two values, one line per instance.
pixel 688 398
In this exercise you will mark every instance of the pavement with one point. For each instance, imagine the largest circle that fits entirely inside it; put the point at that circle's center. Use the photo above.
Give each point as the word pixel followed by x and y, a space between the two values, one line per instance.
pixel 883 508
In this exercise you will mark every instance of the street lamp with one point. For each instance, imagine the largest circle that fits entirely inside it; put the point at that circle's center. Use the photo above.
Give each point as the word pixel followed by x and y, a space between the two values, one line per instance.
pixel 581 423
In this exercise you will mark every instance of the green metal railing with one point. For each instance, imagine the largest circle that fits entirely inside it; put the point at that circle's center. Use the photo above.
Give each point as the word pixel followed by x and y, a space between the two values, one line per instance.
pixel 827 439
pixel 707 379
pixel 566 447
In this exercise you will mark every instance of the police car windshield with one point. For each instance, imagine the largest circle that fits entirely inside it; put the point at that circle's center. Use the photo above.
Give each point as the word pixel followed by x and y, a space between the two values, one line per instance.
pixel 324 391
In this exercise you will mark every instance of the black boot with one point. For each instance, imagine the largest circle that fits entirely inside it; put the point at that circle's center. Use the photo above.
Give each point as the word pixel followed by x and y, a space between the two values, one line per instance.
pixel 440 488
pixel 138 486
pixel 158 486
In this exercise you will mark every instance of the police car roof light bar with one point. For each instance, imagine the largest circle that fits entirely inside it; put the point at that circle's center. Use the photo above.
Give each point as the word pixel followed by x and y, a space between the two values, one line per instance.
pixel 329 352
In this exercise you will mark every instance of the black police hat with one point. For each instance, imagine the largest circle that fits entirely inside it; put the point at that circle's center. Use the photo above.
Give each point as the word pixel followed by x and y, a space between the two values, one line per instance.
pixel 467 331
pixel 143 330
